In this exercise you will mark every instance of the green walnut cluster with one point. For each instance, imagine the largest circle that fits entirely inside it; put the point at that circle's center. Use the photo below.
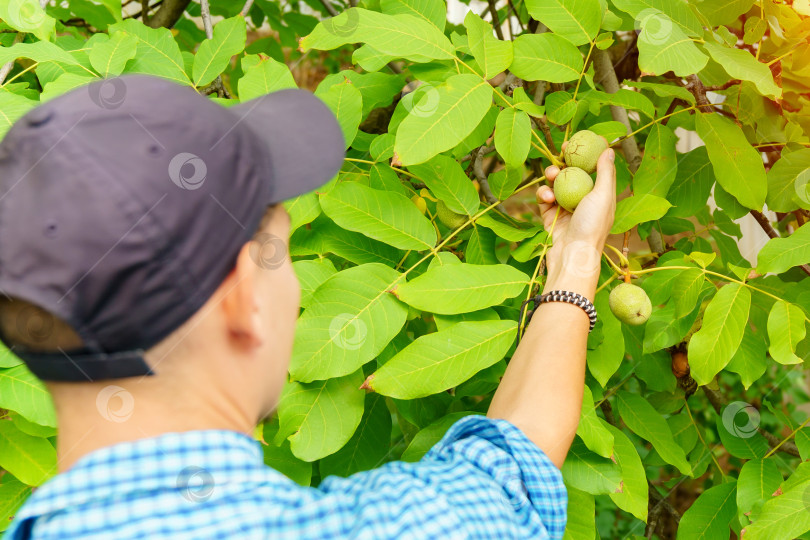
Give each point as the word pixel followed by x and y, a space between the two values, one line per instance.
pixel 581 155
pixel 630 304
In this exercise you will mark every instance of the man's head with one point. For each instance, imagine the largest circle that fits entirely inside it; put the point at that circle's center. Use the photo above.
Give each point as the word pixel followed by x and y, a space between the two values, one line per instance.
pixel 144 256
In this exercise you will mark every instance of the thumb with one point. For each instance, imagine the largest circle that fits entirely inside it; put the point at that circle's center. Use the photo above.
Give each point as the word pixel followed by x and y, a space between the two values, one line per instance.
pixel 606 174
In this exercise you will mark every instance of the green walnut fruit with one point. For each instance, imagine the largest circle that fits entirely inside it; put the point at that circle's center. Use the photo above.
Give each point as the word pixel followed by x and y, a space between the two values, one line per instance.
pixel 630 304
pixel 571 186
pixel 583 150
pixel 448 217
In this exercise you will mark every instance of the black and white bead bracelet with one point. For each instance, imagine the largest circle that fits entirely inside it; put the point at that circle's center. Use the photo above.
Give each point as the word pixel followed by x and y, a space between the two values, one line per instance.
pixel 563 296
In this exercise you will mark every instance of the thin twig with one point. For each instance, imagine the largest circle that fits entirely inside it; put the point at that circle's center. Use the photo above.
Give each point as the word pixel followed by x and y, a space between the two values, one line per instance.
pixel 478 169
pixel 246 8
pixel 329 8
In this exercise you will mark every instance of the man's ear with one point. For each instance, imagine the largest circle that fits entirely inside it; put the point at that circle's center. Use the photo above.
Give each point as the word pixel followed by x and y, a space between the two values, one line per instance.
pixel 239 305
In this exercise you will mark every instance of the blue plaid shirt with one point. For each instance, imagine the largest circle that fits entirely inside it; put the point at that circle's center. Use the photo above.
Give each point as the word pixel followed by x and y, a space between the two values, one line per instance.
pixel 484 479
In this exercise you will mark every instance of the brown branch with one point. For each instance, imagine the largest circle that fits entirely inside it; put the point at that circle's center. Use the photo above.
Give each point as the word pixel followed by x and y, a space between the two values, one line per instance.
pixel 547 132
pixel 480 175
pixel 168 14
pixel 329 8
pixel 496 22
pixel 725 86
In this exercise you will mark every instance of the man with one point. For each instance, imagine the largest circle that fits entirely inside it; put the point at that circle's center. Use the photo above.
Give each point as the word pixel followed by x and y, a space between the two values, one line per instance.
pixel 148 235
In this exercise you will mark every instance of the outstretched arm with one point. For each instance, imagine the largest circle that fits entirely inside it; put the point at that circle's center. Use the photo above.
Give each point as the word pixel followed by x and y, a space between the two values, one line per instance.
pixel 541 392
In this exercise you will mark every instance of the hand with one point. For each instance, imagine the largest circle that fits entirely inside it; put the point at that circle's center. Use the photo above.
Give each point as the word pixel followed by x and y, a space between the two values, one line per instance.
pixel 574 259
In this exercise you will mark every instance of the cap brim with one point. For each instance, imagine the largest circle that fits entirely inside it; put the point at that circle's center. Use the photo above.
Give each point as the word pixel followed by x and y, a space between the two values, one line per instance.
pixel 302 136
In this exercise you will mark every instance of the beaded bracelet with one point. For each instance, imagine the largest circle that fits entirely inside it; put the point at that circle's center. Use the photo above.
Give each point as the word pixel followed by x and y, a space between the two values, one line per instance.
pixel 563 296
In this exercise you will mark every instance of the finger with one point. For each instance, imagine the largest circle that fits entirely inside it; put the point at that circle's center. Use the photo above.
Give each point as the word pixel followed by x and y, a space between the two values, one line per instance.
pixel 606 174
pixel 552 172
pixel 547 203
pixel 545 195
pixel 564 145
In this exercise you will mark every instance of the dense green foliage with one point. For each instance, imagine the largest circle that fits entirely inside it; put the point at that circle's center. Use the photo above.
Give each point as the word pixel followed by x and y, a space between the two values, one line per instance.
pixel 424 316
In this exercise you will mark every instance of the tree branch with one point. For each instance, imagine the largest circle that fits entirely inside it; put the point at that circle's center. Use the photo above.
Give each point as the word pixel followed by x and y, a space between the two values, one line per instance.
pixel 480 175
pixel 6 69
pixel 496 22
pixel 168 14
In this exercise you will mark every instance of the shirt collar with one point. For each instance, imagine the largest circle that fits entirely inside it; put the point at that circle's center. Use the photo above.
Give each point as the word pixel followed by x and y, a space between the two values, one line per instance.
pixel 193 463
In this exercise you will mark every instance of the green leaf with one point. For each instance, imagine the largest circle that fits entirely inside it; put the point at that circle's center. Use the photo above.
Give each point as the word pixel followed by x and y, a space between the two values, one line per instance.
pixel 785 330
pixel 427 437
pixel 592 429
pixel 663 90
pixel 63 84
pixel 347 104
pixel 368 447
pixel 265 76
pixel 647 423
pixel 460 104
pixel 504 182
pixel 724 11
pixel 625 98
pixel 633 496
pixel 560 107
pixel 712 347
pixel 40 51
pixel 546 57
pixel 785 516
pixel 780 254
pixel 758 480
pixel 385 216
pixel 607 357
pixel 29 17
pixel 660 163
pixel 319 418
pixel 12 108
pixel 711 513
pixel 580 523
pixel 441 360
pixel 663 47
pixel 589 472
pixel 302 210
pixel 284 461
pixel 31 459
pixel 686 290
pixel 741 64
pixel 750 359
pixel 110 56
pixel 350 320
pixel 576 20
pixel 326 237
pixel 733 158
pixel 513 131
pixel 638 209
pixel 377 89
pixel 693 184
pixel 157 52
pixel 215 54
pixel 401 36
pixel 662 15
pixel 20 391
pixel 444 177
pixel 433 11
pixel 311 274
pixel 788 180
pixel 493 55
pixel 460 288
pixel 12 495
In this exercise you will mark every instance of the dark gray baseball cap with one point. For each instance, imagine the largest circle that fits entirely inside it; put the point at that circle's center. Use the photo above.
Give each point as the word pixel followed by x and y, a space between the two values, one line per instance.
pixel 124 204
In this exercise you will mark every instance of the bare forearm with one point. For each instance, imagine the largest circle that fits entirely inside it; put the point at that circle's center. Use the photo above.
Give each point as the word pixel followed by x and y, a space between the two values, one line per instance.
pixel 541 392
